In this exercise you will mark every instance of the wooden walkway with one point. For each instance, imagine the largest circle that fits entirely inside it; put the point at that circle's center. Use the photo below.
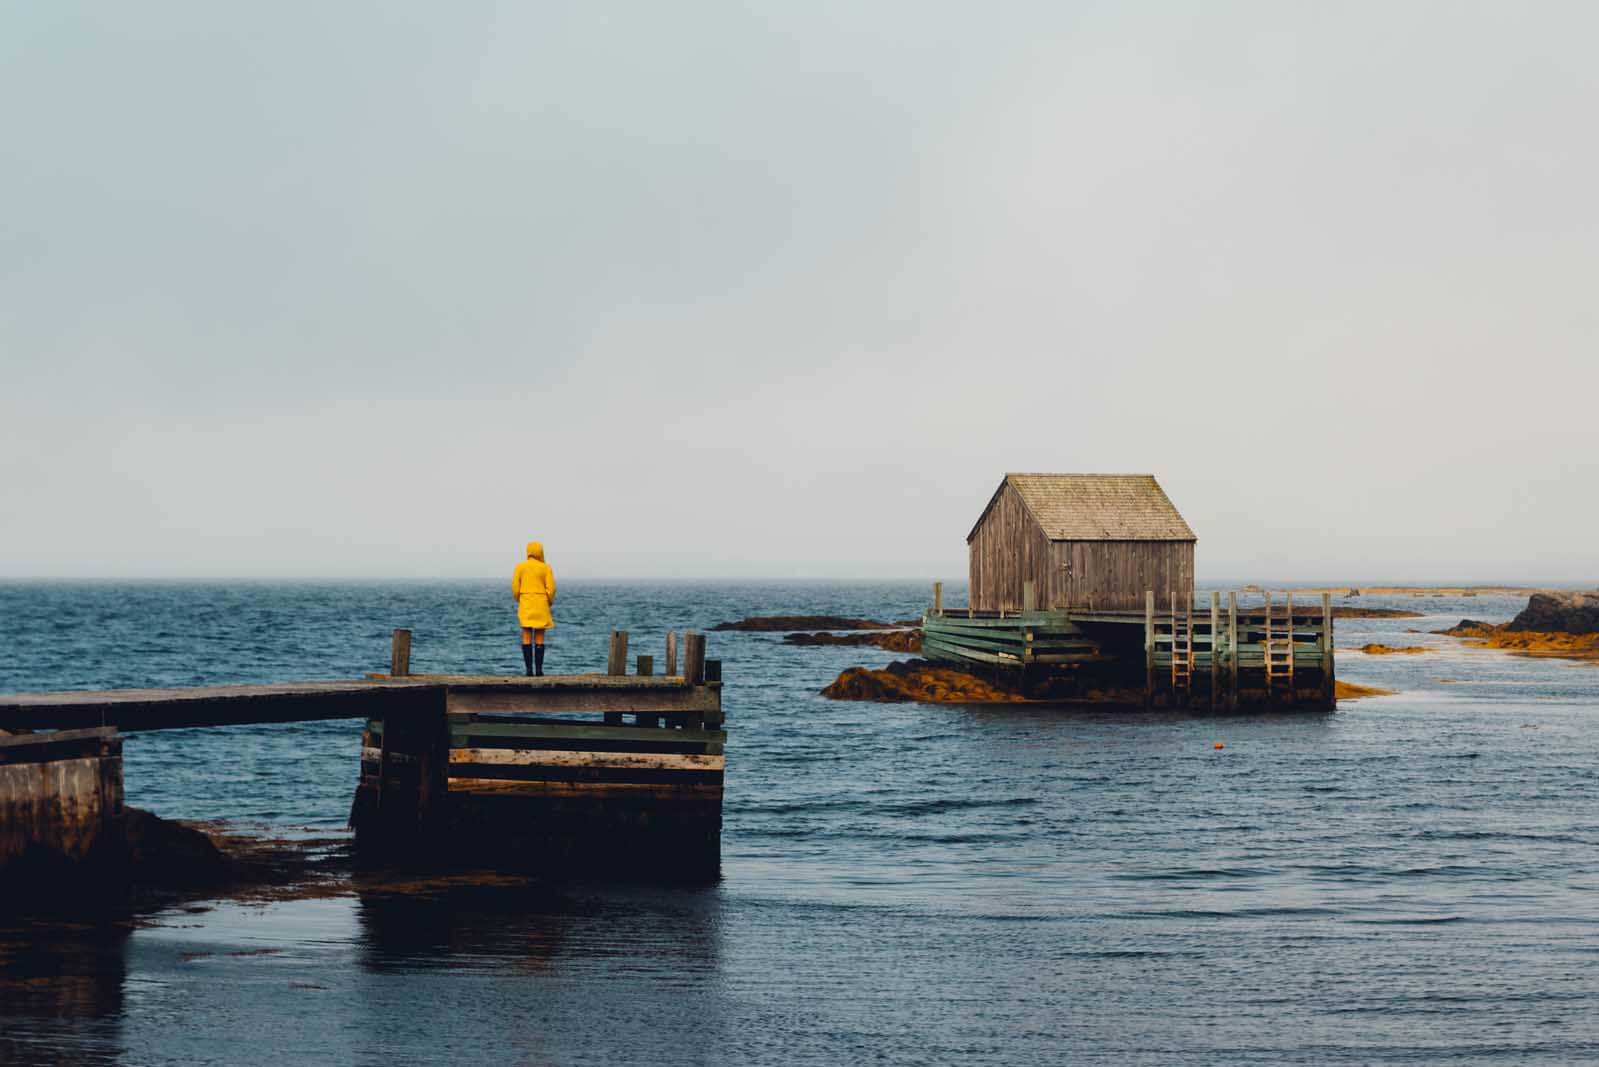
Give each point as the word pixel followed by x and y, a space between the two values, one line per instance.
pixel 238 705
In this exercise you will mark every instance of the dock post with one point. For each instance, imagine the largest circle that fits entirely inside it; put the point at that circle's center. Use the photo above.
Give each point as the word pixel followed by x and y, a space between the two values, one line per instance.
pixel 400 654
pixel 616 664
pixel 938 599
pixel 646 668
pixel 1215 643
pixel 616 661
pixel 1232 651
pixel 671 652
pixel 1149 648
pixel 694 658
pixel 1029 597
pixel 1329 692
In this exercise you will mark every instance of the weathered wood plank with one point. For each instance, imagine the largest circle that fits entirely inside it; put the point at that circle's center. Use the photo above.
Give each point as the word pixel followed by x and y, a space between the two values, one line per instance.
pixel 597 732
pixel 567 758
pixel 677 698
pixel 400 654
pixel 577 790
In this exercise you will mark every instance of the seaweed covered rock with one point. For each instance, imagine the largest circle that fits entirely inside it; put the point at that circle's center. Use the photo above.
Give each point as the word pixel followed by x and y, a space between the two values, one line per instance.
pixel 916 680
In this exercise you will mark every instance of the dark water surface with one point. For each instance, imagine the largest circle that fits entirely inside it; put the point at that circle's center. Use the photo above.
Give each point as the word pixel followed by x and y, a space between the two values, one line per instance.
pixel 1412 879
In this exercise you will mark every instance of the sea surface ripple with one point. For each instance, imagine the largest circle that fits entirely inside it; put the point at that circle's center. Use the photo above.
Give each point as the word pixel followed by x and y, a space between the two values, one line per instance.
pixel 1411 879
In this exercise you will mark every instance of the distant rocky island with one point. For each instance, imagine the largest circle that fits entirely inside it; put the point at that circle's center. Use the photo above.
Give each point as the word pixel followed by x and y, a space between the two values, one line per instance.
pixel 1559 625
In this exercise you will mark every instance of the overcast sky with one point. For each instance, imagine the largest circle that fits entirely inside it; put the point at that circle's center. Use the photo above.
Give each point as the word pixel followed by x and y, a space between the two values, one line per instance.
pixel 699 289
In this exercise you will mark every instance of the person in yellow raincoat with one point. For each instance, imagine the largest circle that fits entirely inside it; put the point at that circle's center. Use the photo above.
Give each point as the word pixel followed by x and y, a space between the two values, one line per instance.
pixel 533 587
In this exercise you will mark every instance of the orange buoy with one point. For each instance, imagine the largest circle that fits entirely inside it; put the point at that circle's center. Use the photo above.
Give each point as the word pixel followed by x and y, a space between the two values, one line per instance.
pixel 1220 745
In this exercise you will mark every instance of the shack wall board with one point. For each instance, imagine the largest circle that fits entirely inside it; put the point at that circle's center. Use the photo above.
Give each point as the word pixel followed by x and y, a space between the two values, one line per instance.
pixel 1006 549
pixel 1115 575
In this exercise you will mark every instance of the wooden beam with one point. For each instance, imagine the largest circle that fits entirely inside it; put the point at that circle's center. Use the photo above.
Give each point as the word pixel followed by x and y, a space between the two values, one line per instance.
pixel 1149 648
pixel 1232 651
pixel 671 653
pixel 1215 643
pixel 614 699
pixel 1329 690
pixel 534 757
pixel 616 660
pixel 938 599
pixel 694 658
pixel 400 654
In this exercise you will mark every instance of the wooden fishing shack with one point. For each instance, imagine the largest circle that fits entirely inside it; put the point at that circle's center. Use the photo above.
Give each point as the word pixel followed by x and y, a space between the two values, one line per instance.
pixel 1084 584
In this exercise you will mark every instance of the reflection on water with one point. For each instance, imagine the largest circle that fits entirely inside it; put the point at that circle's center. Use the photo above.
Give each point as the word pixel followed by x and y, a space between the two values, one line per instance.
pixel 61 991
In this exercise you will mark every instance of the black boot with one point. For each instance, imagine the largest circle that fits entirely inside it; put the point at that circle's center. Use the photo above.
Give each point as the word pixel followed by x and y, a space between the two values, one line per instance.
pixel 527 658
pixel 538 660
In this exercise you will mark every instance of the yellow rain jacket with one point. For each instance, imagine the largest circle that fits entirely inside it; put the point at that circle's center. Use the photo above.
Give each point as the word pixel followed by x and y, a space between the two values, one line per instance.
pixel 533 585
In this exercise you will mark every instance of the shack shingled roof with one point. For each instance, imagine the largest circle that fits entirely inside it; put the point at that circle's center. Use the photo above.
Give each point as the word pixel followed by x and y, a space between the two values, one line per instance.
pixel 1096 507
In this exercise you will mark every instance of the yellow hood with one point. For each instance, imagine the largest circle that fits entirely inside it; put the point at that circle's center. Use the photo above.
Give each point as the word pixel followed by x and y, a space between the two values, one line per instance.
pixel 535 550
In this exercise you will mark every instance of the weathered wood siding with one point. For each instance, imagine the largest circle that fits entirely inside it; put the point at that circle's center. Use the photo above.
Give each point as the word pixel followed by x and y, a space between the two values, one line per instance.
pixel 1008 548
pixel 60 795
pixel 1116 574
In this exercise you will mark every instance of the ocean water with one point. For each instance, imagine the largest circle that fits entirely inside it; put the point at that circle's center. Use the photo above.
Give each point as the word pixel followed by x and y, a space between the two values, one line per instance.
pixel 1411 879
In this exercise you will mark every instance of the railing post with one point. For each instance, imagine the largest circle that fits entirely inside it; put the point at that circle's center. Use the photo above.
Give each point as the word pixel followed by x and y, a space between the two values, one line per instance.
pixel 694 658
pixel 938 599
pixel 646 668
pixel 1149 648
pixel 671 653
pixel 616 661
pixel 1215 644
pixel 400 654
pixel 1232 651
pixel 1329 690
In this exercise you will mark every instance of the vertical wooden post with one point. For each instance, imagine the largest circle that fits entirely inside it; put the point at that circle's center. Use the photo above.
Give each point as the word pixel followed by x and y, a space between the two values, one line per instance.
pixel 1293 692
pixel 400 654
pixel 694 658
pixel 1329 691
pixel 1149 648
pixel 646 668
pixel 1232 651
pixel 1029 596
pixel 712 720
pixel 938 599
pixel 1215 644
pixel 671 653
pixel 616 661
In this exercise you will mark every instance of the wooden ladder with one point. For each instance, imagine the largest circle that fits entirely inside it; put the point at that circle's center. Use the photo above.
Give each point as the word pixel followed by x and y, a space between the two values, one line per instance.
pixel 1182 645
pixel 1279 645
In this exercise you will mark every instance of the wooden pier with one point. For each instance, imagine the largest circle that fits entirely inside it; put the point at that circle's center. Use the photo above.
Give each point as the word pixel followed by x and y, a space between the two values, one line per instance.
pixel 614 771
pixel 1211 654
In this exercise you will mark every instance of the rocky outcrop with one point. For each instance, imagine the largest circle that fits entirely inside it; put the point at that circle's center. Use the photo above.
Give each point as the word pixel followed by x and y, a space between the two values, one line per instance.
pixel 1351 691
pixel 890 640
pixel 1558 613
pixel 778 623
pixel 1391 650
pixel 916 680
pixel 1543 610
